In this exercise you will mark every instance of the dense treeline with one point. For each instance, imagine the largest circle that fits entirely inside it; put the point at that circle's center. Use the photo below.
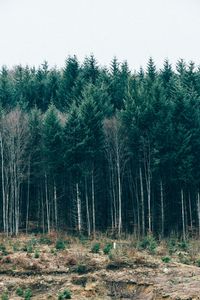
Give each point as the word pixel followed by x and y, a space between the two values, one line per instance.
pixel 87 149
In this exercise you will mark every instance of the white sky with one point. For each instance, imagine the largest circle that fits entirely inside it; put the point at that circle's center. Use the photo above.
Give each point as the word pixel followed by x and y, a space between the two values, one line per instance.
pixel 32 31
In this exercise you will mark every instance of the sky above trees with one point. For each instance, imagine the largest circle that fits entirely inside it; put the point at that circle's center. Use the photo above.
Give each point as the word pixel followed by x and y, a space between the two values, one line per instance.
pixel 33 31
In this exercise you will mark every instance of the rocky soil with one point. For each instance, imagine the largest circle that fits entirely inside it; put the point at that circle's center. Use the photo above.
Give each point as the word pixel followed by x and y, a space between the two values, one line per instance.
pixel 126 273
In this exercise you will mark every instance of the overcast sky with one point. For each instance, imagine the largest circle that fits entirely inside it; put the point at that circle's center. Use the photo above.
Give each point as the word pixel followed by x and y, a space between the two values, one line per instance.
pixel 32 31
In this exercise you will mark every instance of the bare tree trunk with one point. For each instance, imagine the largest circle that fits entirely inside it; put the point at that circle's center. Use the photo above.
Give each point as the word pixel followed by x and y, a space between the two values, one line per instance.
pixel 119 195
pixel 162 209
pixel 28 198
pixel 142 201
pixel 87 208
pixel 198 210
pixel 183 214
pixel 93 206
pixel 55 205
pixel 138 209
pixel 47 204
pixel 190 212
pixel 78 201
pixel 3 184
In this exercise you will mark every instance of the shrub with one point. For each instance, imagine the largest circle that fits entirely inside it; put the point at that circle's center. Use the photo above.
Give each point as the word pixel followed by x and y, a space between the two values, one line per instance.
pixel 3 249
pixel 60 245
pixel 16 247
pixel 80 280
pixel 172 245
pixel 108 247
pixel 45 241
pixel 36 253
pixel 81 269
pixel 66 294
pixel 184 245
pixel 149 243
pixel 4 296
pixel 19 292
pixel 28 294
pixel 198 262
pixel 166 259
pixel 95 248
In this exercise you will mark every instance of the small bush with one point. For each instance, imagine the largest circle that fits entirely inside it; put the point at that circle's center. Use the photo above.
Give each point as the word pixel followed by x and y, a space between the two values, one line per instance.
pixel 19 292
pixel 81 269
pixel 4 296
pixel 7 260
pixel 166 259
pixel 16 247
pixel 80 280
pixel 28 294
pixel 108 247
pixel 198 262
pixel 95 248
pixel 183 245
pixel 45 241
pixel 149 243
pixel 66 294
pixel 60 245
pixel 36 253
pixel 3 249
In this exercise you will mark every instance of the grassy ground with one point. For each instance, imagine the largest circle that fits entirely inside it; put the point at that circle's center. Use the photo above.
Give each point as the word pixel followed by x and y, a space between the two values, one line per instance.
pixel 58 266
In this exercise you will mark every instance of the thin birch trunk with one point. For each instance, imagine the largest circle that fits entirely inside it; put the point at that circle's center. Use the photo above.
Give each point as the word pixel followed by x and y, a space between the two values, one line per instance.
pixel 142 201
pixel 162 209
pixel 3 184
pixel 93 206
pixel 183 214
pixel 198 210
pixel 28 198
pixel 87 208
pixel 190 212
pixel 55 205
pixel 119 196
pixel 78 201
pixel 47 204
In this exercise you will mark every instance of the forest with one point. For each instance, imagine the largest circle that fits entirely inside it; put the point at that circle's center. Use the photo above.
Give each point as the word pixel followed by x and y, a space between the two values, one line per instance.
pixel 87 149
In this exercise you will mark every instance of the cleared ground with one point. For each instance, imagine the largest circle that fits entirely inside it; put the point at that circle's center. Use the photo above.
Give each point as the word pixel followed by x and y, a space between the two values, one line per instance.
pixel 48 267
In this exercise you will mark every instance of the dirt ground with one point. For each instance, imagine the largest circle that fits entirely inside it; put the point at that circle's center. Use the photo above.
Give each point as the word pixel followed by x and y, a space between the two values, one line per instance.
pixel 48 266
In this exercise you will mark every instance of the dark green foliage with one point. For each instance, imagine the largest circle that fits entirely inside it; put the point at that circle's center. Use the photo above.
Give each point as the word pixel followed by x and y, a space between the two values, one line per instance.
pixel 71 161
pixel 28 294
pixel 107 248
pixel 3 250
pixel 66 294
pixel 45 241
pixel 95 248
pixel 166 259
pixel 19 292
pixel 5 296
pixel 81 269
pixel 149 243
pixel 60 245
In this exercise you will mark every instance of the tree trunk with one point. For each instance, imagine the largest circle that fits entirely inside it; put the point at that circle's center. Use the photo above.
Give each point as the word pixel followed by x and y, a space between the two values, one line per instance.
pixel 162 209
pixel 190 213
pixel 55 205
pixel 183 214
pixel 47 204
pixel 78 201
pixel 119 196
pixel 93 206
pixel 142 201
pixel 28 198
pixel 3 184
pixel 87 208
pixel 198 210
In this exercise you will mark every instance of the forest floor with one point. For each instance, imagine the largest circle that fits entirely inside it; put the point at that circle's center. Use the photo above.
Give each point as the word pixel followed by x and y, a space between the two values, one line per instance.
pixel 51 267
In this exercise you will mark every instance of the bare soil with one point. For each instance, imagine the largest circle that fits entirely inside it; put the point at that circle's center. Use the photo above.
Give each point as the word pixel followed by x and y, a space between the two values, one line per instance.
pixel 27 262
